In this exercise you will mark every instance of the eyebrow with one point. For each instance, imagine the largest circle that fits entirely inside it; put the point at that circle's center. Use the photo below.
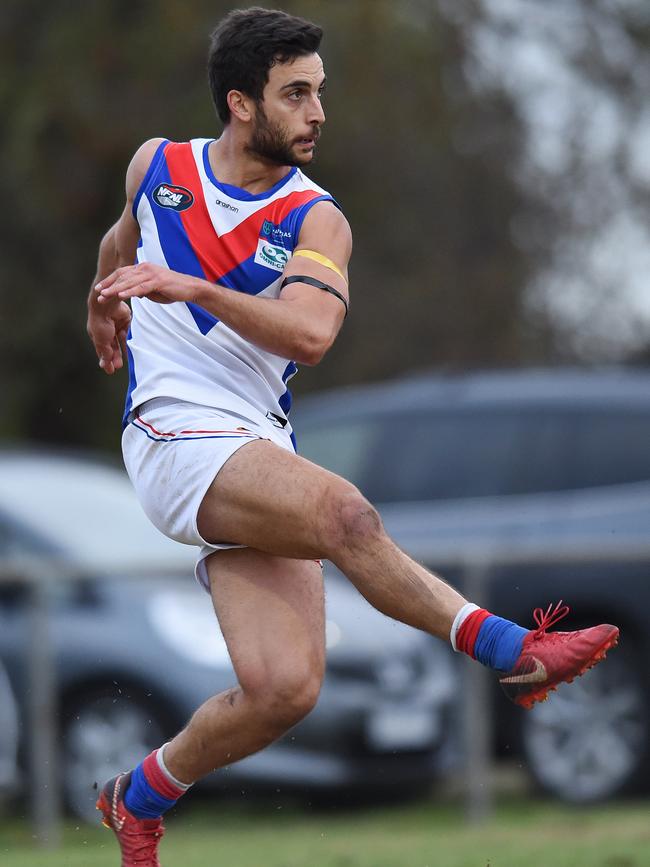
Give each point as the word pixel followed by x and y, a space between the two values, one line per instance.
pixel 303 83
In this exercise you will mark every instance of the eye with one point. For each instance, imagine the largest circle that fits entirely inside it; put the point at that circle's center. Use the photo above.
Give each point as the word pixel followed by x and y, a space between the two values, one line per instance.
pixel 295 95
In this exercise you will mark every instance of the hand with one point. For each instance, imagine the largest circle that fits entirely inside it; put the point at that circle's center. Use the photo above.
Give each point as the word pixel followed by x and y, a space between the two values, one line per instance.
pixel 108 333
pixel 146 280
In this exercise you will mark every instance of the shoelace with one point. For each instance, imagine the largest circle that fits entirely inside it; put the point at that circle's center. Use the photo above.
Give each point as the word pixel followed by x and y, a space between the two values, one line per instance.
pixel 548 618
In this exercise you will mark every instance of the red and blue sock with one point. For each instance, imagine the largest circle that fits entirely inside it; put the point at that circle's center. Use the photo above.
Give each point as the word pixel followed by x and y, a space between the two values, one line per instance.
pixel 491 640
pixel 153 790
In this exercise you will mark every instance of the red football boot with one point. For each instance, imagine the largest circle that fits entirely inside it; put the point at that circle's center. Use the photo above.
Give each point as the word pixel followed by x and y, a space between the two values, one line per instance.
pixel 548 660
pixel 138 838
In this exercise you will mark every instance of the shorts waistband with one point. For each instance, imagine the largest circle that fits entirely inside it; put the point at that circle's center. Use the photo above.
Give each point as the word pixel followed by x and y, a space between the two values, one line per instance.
pixel 154 403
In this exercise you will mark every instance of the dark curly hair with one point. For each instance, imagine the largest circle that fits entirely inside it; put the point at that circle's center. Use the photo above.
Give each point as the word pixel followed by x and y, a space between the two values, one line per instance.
pixel 247 43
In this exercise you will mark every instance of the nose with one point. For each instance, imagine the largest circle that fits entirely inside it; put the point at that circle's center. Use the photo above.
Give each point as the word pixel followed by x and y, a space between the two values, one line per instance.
pixel 316 113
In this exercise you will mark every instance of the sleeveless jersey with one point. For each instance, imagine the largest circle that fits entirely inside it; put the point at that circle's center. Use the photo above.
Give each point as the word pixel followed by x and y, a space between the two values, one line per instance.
pixel 191 223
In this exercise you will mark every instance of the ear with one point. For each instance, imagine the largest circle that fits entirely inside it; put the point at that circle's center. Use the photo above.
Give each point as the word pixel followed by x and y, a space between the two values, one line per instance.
pixel 240 105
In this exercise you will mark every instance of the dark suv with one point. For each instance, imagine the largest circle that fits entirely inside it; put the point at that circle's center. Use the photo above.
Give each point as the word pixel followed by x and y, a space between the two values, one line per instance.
pixel 542 478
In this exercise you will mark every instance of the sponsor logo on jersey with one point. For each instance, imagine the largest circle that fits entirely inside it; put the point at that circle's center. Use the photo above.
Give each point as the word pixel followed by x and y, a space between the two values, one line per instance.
pixel 270 230
pixel 226 205
pixel 172 196
pixel 271 255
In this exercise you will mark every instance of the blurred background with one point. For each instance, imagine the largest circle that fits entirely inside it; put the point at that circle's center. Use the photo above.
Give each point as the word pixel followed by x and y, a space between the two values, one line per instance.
pixel 493 159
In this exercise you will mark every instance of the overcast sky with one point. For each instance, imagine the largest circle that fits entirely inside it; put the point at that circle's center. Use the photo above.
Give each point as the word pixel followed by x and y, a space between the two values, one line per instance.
pixel 581 84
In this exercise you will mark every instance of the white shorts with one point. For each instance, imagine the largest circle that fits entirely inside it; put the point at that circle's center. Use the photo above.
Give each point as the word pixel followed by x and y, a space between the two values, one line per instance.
pixel 172 452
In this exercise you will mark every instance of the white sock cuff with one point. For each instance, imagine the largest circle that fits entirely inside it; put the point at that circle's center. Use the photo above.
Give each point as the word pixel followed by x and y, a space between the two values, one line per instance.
pixel 464 612
pixel 160 758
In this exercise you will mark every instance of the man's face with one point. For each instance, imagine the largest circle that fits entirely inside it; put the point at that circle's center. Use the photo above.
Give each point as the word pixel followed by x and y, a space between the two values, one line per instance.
pixel 287 121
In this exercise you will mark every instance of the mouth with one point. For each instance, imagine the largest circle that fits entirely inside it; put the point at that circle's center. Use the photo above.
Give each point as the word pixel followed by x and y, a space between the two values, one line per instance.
pixel 309 142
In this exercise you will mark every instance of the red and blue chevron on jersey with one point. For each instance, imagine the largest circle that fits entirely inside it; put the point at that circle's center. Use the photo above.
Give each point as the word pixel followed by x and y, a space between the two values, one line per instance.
pixel 192 223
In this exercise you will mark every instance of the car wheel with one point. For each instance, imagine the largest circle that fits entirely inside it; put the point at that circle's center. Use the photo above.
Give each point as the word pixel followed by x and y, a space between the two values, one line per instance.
pixel 590 740
pixel 103 735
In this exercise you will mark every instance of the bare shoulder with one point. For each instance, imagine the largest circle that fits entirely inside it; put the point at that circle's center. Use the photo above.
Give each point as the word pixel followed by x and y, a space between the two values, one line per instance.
pixel 139 164
pixel 325 239
pixel 326 223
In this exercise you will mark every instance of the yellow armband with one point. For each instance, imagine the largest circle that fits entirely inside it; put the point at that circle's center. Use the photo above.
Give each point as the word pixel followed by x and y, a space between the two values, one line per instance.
pixel 322 260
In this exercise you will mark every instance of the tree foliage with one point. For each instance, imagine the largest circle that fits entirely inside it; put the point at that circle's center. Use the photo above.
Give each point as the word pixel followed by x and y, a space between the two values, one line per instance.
pixel 579 73
pixel 419 163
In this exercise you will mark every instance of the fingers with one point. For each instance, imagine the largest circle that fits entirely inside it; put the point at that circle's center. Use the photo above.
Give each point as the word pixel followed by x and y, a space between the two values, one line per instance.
pixel 145 280
pixel 121 339
pixel 119 280
pixel 105 354
pixel 126 286
pixel 109 355
pixel 137 288
pixel 117 355
pixel 107 282
pixel 109 333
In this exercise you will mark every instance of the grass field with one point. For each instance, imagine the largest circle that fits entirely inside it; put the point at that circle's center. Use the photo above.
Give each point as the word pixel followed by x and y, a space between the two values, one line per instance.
pixel 524 834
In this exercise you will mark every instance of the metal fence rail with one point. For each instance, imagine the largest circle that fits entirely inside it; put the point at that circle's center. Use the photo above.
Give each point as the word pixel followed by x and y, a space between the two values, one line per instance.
pixel 39 577
pixel 41 693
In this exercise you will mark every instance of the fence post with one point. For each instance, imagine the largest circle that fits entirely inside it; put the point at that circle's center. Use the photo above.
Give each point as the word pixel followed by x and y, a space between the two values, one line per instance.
pixel 478 712
pixel 42 703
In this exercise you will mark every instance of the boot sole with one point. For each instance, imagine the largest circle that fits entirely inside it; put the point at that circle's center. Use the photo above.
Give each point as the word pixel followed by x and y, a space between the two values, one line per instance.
pixel 104 808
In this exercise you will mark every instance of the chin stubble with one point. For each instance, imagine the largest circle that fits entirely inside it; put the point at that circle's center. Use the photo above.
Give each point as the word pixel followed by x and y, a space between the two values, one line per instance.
pixel 271 142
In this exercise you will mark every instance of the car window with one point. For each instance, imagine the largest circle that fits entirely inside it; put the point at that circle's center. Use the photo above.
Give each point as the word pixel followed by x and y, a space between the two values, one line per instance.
pixel 483 452
pixel 16 545
pixel 609 448
pixel 347 447
pixel 442 456
pixel 17 542
pixel 421 456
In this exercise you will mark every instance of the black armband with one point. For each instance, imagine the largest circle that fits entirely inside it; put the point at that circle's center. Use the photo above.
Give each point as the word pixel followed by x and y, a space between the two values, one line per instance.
pixel 312 281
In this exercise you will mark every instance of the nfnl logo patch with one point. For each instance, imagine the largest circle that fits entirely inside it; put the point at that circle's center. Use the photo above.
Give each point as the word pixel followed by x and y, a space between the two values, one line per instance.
pixel 271 256
pixel 172 196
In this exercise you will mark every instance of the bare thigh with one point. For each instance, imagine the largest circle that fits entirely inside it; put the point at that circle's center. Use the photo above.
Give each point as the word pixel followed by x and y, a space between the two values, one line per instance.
pixel 271 612
pixel 274 501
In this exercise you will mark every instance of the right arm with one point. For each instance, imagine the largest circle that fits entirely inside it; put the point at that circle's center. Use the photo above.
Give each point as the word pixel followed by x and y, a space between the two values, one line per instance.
pixel 108 324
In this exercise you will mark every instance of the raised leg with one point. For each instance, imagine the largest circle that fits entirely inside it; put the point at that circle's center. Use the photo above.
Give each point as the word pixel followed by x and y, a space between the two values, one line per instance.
pixel 281 503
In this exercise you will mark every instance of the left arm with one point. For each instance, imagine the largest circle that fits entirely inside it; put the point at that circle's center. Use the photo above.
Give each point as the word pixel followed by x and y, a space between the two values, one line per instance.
pixel 301 324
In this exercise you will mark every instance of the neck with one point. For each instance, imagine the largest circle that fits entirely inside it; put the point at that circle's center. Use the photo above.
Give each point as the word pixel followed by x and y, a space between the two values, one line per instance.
pixel 233 164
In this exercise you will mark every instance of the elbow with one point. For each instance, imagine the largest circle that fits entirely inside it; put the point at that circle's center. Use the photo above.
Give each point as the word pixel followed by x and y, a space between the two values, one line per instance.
pixel 310 359
pixel 311 349
pixel 309 355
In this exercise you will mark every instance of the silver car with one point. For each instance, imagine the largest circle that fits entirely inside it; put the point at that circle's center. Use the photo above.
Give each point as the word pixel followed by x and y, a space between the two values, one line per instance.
pixel 137 649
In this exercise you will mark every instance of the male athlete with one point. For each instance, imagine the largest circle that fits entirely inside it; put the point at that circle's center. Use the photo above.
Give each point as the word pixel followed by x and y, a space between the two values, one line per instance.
pixel 241 273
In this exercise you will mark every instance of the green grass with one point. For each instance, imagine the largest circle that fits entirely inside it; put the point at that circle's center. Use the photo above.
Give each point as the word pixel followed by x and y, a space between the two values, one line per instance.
pixel 521 834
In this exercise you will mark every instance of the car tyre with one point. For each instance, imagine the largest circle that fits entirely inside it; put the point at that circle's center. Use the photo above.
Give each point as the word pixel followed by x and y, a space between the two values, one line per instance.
pixel 591 740
pixel 102 735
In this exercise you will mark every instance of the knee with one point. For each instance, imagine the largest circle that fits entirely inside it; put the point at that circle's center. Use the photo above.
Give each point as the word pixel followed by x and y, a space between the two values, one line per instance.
pixel 350 521
pixel 286 695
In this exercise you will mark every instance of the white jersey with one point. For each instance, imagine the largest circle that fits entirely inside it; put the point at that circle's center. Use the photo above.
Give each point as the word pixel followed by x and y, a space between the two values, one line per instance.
pixel 191 223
